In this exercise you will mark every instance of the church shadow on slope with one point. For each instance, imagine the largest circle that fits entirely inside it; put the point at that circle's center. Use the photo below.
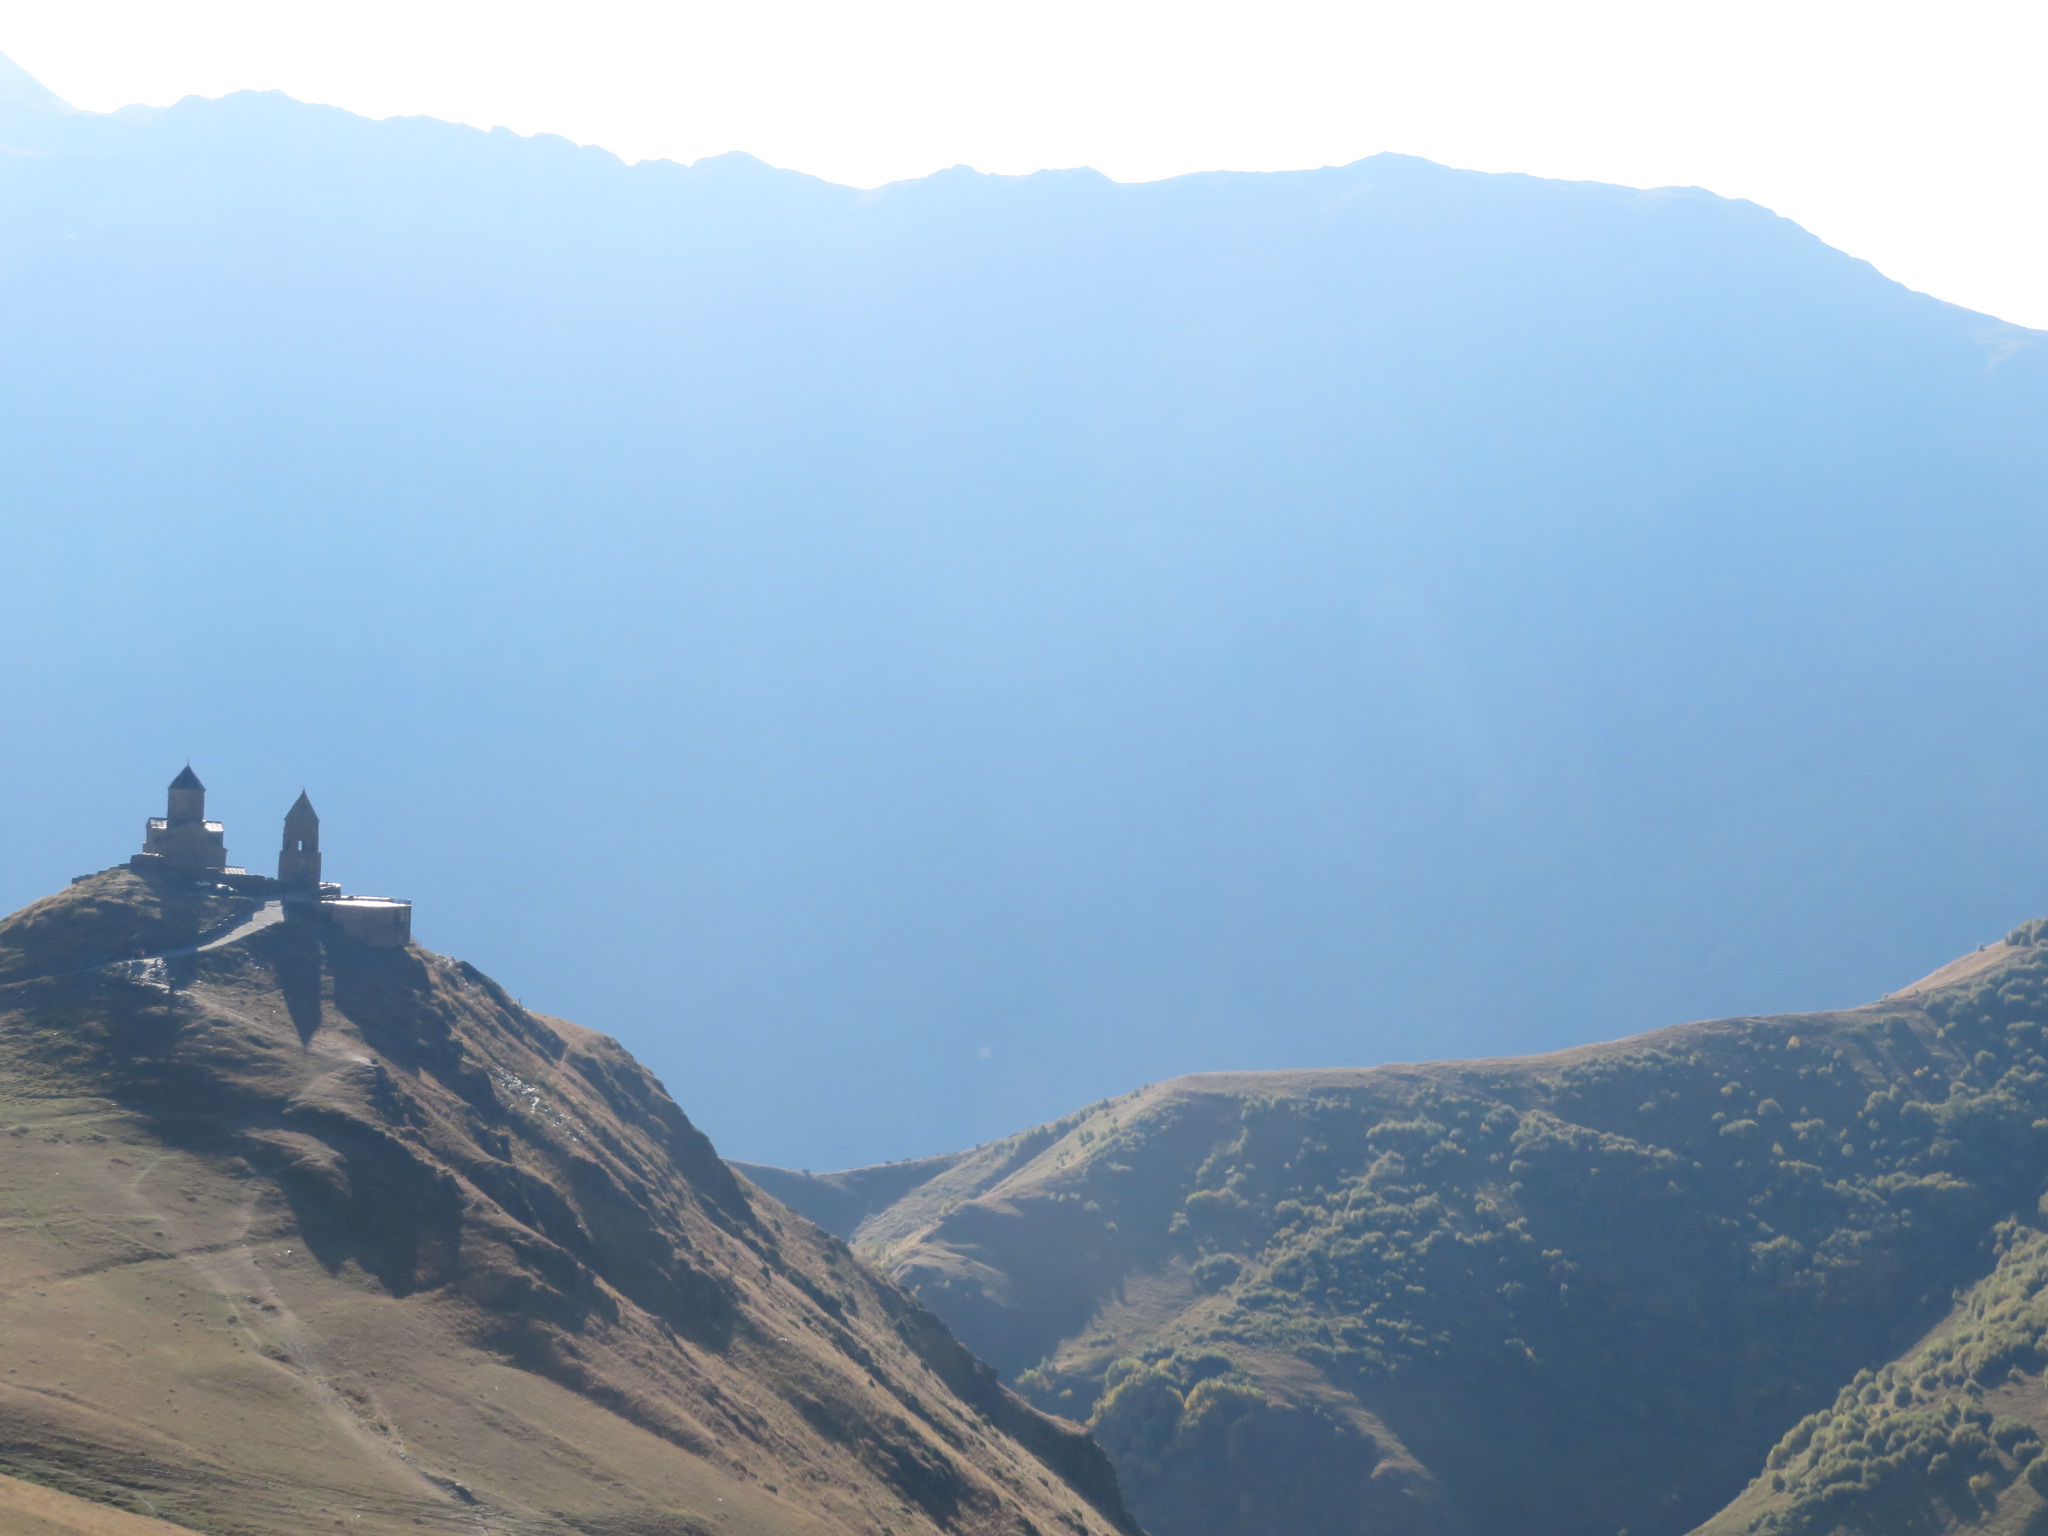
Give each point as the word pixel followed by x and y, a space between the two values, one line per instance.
pixel 386 1134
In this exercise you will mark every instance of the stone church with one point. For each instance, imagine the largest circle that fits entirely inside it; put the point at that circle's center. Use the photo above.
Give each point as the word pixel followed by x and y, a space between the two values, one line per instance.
pixel 183 842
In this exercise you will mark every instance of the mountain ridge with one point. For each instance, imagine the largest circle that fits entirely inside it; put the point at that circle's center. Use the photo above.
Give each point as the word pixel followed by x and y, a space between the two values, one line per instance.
pixel 22 92
pixel 1128 629
pixel 1654 1283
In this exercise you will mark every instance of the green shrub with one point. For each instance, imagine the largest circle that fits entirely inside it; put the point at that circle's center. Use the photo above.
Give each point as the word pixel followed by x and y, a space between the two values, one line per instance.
pixel 1215 1271
pixel 1739 1214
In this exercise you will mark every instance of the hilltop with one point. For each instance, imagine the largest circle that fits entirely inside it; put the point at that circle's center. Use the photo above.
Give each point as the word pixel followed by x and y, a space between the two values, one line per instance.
pixel 1780 1275
pixel 300 1232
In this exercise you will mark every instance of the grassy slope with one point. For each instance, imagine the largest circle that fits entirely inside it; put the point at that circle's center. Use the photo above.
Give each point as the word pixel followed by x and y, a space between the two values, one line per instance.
pixel 299 1234
pixel 29 1509
pixel 1570 1294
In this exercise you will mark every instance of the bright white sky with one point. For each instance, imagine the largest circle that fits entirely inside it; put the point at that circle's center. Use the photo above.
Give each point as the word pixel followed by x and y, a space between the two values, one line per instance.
pixel 1913 134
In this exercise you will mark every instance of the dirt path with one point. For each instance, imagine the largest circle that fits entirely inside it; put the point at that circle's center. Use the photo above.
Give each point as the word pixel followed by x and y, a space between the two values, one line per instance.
pixel 265 916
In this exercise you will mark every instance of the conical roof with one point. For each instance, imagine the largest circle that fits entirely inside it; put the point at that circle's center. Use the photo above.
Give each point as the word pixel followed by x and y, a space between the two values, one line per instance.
pixel 302 813
pixel 187 780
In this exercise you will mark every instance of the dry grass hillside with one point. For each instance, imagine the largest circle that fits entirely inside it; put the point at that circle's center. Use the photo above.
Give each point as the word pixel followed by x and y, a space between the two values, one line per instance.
pixel 1606 1290
pixel 299 1235
pixel 30 1509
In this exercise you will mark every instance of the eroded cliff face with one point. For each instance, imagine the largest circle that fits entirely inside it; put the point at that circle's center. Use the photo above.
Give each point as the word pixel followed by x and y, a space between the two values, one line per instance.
pixel 300 1232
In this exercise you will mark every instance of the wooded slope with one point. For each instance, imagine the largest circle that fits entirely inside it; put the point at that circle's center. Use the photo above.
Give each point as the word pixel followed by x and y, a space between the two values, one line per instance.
pixel 1595 1291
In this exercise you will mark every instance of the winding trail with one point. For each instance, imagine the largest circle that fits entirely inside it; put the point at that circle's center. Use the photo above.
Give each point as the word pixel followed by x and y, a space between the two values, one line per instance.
pixel 149 967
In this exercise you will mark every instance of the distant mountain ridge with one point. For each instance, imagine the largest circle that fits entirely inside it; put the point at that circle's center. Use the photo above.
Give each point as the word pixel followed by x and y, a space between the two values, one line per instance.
pixel 912 661
pixel 24 98
pixel 1753 1277
pixel 303 1232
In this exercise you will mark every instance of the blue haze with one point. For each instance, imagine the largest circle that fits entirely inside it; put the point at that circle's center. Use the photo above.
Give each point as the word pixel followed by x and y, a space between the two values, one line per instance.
pixel 1382 612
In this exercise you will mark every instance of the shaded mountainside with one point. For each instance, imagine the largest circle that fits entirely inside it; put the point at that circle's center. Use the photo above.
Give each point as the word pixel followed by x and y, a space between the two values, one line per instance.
pixel 1137 629
pixel 1946 1438
pixel 1596 1291
pixel 301 1233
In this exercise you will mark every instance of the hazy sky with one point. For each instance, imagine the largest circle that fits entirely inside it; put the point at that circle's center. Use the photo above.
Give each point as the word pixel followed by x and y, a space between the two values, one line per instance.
pixel 1915 135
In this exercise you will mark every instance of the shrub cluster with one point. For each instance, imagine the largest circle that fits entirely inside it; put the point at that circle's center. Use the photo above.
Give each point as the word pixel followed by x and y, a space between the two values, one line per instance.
pixel 1631 1272
pixel 1915 1434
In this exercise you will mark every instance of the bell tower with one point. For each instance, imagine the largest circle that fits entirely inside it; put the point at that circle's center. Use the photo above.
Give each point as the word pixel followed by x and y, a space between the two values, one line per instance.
pixel 298 862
